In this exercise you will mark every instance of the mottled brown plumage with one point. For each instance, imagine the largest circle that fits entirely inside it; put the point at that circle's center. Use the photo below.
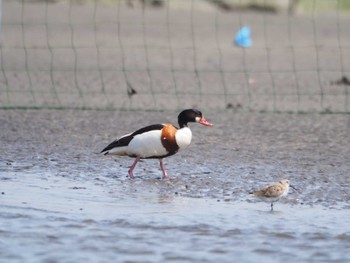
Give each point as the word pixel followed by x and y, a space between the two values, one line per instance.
pixel 273 192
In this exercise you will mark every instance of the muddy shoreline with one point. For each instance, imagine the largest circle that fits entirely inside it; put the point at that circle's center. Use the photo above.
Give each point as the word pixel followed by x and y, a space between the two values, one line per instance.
pixel 67 203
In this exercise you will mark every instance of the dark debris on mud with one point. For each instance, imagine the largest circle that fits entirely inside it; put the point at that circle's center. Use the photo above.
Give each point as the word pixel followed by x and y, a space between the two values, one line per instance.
pixel 241 152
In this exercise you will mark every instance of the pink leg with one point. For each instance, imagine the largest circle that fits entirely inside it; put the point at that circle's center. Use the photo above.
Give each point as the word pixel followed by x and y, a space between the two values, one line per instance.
pixel 133 166
pixel 165 175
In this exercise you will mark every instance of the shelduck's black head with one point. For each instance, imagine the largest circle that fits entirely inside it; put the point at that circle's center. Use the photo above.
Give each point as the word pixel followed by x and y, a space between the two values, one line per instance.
pixel 192 115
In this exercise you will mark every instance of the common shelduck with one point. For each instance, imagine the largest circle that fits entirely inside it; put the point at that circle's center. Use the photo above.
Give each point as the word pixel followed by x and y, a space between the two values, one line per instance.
pixel 274 192
pixel 157 141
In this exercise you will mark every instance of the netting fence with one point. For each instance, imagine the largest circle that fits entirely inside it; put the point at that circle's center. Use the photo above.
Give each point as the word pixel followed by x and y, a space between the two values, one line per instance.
pixel 173 54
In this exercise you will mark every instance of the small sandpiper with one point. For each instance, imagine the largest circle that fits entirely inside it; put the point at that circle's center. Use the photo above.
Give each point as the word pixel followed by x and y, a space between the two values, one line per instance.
pixel 273 192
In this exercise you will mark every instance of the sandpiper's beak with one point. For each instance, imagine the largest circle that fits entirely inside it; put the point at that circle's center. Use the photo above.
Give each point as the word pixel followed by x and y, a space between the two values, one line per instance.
pixel 204 122
pixel 294 188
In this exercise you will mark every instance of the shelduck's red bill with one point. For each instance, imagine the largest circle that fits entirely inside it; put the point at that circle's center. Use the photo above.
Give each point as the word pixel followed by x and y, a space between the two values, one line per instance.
pixel 204 122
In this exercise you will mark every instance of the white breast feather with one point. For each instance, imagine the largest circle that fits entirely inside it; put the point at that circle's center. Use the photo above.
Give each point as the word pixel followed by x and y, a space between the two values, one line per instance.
pixel 183 137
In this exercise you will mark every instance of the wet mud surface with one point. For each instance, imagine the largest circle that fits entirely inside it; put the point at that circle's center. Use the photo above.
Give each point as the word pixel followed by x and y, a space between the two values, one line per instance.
pixel 61 201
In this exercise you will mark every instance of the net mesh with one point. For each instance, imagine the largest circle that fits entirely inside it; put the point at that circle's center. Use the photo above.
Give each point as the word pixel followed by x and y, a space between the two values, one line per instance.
pixel 174 54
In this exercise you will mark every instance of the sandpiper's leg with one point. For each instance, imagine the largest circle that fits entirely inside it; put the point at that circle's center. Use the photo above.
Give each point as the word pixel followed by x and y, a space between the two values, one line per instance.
pixel 271 207
pixel 133 166
pixel 165 175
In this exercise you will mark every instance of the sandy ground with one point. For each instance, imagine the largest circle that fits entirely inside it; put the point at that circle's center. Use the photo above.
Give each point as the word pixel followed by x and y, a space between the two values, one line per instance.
pixel 240 151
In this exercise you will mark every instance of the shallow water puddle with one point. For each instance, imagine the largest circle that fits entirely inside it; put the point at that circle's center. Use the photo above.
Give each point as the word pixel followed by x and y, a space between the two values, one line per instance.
pixel 66 220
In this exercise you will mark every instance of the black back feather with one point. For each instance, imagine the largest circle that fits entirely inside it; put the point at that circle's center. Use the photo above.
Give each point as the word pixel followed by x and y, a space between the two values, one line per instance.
pixel 125 140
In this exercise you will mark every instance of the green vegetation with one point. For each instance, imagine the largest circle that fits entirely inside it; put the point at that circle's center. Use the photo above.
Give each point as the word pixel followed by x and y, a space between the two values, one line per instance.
pixel 293 6
pixel 323 5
